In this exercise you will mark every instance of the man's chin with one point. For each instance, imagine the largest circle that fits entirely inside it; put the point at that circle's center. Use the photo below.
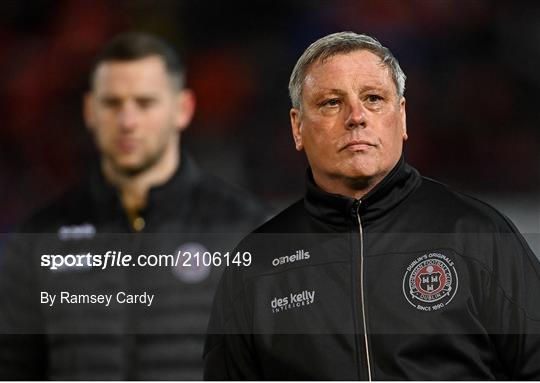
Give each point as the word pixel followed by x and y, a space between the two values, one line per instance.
pixel 360 177
pixel 129 168
pixel 361 172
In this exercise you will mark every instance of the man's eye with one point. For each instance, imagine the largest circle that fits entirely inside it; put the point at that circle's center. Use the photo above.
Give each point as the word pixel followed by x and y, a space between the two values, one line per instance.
pixel 374 98
pixel 146 102
pixel 332 102
pixel 111 102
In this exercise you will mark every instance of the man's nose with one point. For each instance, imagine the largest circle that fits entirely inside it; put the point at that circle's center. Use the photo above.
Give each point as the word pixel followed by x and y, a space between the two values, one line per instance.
pixel 128 117
pixel 356 117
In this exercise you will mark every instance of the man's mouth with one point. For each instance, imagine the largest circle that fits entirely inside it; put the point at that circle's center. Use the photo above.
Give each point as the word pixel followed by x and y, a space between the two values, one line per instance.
pixel 126 144
pixel 358 145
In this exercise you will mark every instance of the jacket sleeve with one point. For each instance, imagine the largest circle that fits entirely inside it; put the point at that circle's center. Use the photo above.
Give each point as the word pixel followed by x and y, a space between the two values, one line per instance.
pixel 22 341
pixel 513 304
pixel 229 352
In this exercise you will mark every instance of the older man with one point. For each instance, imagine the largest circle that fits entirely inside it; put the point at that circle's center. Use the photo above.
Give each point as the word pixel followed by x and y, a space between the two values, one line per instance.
pixel 378 272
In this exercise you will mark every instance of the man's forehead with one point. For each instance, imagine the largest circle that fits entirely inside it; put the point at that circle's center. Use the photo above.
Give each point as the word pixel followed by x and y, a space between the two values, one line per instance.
pixel 362 67
pixel 146 74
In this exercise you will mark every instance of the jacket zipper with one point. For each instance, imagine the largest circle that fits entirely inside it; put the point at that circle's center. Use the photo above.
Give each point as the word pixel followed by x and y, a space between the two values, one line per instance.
pixel 361 235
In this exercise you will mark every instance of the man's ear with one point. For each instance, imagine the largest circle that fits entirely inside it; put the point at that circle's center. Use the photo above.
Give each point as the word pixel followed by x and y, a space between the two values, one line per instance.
pixel 185 108
pixel 88 110
pixel 296 125
pixel 403 118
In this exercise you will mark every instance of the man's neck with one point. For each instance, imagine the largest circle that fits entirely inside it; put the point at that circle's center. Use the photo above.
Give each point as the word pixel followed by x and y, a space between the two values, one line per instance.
pixel 355 188
pixel 133 189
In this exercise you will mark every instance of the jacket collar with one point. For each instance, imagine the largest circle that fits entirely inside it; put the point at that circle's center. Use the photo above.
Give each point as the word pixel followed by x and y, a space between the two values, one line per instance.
pixel 175 192
pixel 164 198
pixel 340 211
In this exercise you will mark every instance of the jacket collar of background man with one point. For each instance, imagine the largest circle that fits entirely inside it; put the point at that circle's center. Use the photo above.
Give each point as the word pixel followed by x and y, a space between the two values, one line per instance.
pixel 340 211
pixel 162 199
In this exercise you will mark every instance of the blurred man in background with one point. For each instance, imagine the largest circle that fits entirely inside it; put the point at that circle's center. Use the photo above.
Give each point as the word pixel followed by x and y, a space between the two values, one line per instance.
pixel 147 197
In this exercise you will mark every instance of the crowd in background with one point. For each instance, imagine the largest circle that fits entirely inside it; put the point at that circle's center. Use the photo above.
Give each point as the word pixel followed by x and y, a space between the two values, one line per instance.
pixel 472 87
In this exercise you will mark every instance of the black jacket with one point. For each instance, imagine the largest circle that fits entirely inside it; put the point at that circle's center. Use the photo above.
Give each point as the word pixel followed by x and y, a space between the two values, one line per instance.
pixel 121 341
pixel 414 281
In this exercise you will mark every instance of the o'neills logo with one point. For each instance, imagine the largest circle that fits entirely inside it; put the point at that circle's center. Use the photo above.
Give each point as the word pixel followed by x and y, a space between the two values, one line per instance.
pixel 298 256
pixel 292 301
pixel 430 282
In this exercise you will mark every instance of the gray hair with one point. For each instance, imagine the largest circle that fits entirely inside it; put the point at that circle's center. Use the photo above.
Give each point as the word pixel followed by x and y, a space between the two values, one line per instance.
pixel 342 42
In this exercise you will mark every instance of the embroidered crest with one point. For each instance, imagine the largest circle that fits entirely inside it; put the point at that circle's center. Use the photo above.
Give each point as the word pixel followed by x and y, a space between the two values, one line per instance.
pixel 430 282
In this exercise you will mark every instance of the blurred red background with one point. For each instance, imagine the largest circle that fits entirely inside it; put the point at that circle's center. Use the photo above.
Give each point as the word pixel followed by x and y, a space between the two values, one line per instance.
pixel 472 90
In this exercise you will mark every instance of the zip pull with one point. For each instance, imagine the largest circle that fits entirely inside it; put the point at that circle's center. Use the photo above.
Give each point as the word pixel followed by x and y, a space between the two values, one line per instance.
pixel 355 210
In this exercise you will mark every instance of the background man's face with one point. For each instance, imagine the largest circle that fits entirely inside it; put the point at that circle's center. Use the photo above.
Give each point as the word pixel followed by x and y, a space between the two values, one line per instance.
pixel 352 125
pixel 134 113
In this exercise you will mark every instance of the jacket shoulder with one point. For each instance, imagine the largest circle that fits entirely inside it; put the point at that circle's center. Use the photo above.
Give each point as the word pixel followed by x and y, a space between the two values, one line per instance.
pixel 291 219
pixel 223 200
pixel 464 212
pixel 71 207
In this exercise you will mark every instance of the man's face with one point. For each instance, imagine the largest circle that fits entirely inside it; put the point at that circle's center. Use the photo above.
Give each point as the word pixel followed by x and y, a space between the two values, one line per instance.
pixel 136 113
pixel 352 123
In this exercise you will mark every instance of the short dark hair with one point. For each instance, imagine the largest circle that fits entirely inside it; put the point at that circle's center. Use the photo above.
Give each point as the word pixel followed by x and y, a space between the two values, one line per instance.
pixel 137 45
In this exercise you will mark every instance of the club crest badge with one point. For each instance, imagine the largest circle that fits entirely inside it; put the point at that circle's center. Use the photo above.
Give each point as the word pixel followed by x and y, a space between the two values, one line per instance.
pixel 430 282
pixel 189 270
